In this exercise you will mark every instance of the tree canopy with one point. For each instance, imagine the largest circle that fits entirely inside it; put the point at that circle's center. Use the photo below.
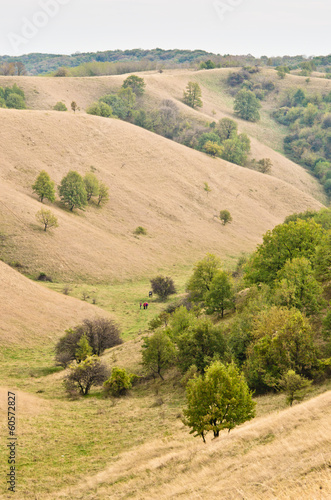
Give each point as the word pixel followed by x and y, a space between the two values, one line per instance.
pixel 220 400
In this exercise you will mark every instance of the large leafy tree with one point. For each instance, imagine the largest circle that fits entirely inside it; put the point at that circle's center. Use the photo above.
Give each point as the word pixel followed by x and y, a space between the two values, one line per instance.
pixel 158 353
pixel 203 274
pixel 72 190
pixel 192 95
pixel 44 187
pixel 199 344
pixel 91 185
pixel 220 295
pixel 220 400
pixel 135 83
pixel 297 287
pixel 246 105
pixel 283 340
pixel 285 242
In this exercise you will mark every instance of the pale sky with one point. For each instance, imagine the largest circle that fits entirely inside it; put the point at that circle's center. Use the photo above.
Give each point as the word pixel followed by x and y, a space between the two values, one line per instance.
pixel 259 27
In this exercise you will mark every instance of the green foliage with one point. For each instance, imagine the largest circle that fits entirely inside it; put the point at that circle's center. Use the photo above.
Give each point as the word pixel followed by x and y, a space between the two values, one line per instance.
pixel 47 218
pixel 234 151
pixel 220 296
pixel 91 185
pixel 122 103
pixel 119 383
pixel 207 137
pixel 212 149
pixel 199 344
pixel 264 165
pixel 286 241
pixel 322 260
pixel 72 191
pixel 44 187
pixel 88 373
pixel 163 286
pixel 295 386
pixel 135 83
pixel 84 350
pixel 60 106
pixel 246 106
pixel 220 400
pixel 192 95
pixel 225 217
pixel 206 187
pixel 100 109
pixel 226 129
pixel 140 231
pixel 158 353
pixel 283 341
pixel 297 287
pixel 207 64
pixel 103 196
pixel 203 274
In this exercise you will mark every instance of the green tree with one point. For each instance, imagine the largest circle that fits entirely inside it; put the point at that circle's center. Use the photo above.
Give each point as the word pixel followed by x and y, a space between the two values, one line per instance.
pixel 283 341
pixel 297 287
pixel 158 353
pixel 135 83
pixel 163 286
pixel 220 296
pixel 60 106
pixel 192 95
pixel 86 374
pixel 119 383
pixel 15 101
pixel 212 149
pixel 199 344
pixel 100 109
pixel 203 274
pixel 226 129
pixel 44 187
pixel 246 105
pixel 220 400
pixel 295 386
pixel 72 190
pixel 298 238
pixel 225 217
pixel 91 185
pixel 264 165
pixel 234 151
pixel 47 218
pixel 103 194
pixel 84 350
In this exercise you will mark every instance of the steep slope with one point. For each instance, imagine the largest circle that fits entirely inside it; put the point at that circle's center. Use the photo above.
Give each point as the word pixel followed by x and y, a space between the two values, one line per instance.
pixel 32 315
pixel 153 182
pixel 43 93
pixel 284 455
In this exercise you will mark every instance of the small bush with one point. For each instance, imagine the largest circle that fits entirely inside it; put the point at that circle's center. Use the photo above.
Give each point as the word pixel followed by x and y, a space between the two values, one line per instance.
pixel 140 230
pixel 60 106
pixel 44 277
pixel 119 382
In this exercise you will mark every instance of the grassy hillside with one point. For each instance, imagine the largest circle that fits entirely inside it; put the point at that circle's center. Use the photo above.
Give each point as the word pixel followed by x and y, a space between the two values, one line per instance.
pixel 137 447
pixel 154 183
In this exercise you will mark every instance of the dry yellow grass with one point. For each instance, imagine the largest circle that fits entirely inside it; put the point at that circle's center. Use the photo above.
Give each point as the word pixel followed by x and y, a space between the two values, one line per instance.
pixel 32 315
pixel 153 182
pixel 284 456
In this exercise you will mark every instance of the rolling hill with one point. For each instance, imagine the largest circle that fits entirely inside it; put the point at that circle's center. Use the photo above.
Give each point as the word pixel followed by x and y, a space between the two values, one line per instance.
pixel 154 183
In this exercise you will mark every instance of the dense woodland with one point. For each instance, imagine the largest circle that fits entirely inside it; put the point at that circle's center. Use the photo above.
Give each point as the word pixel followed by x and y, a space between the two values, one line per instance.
pixel 126 61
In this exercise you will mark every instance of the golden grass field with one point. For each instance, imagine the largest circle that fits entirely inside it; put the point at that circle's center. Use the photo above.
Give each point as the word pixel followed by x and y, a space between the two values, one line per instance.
pixel 137 447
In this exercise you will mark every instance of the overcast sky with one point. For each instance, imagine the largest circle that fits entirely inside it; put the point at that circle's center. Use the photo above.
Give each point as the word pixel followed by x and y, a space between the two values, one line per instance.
pixel 259 27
